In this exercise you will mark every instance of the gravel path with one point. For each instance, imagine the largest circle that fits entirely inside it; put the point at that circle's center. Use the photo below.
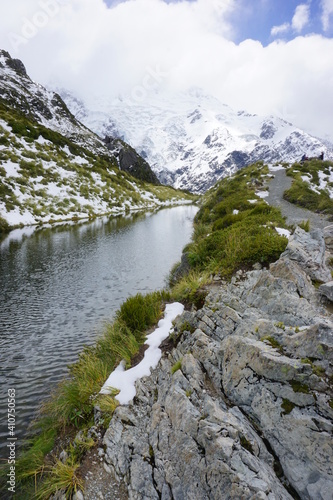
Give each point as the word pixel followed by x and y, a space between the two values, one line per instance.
pixel 293 213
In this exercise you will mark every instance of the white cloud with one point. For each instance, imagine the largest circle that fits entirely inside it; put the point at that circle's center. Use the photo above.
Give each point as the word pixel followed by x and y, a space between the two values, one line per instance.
pixel 301 17
pixel 299 21
pixel 327 12
pixel 278 30
pixel 93 50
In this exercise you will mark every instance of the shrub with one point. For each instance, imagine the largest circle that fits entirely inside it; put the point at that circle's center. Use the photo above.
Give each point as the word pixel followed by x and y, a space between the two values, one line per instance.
pixel 141 312
pixel 190 289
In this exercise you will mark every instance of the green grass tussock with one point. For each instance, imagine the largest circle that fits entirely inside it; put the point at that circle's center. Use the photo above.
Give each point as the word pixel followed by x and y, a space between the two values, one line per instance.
pixel 141 312
pixel 232 231
pixel 177 366
pixel 60 476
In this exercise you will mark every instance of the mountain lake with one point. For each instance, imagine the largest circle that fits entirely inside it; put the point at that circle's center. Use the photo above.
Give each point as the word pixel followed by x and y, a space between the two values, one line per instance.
pixel 59 285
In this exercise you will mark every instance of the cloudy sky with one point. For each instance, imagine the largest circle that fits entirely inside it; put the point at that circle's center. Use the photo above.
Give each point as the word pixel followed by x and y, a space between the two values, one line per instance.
pixel 265 56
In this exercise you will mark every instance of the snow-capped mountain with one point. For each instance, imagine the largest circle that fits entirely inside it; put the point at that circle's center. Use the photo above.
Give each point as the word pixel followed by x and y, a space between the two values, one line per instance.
pixel 42 105
pixel 53 168
pixel 191 139
pixel 47 108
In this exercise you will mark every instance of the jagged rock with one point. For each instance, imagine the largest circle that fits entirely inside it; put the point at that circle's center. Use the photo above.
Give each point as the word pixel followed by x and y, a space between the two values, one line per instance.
pixel 288 269
pixel 327 290
pixel 308 250
pixel 328 236
pixel 252 395
pixel 63 456
pixel 314 341
pixel 15 64
pixel 193 445
pixel 130 161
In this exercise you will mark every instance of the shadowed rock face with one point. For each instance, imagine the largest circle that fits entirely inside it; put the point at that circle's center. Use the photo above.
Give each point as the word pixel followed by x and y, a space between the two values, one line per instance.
pixel 130 161
pixel 15 64
pixel 252 395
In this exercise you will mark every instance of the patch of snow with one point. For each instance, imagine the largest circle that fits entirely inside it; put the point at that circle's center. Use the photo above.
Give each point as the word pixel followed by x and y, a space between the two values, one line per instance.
pixel 235 212
pixel 67 151
pixel 324 179
pixel 53 189
pixel 124 380
pixel 42 141
pixel 275 169
pixel 5 126
pixel 97 179
pixel 11 169
pixel 80 161
pixel 283 232
pixel 262 194
pixel 252 201
pixel 14 217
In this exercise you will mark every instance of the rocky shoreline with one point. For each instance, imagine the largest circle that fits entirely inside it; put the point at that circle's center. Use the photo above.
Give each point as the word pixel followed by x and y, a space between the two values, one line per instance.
pixel 241 404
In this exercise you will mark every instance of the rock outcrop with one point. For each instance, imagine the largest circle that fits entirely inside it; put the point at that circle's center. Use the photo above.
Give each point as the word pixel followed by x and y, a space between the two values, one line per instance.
pixel 241 404
pixel 130 161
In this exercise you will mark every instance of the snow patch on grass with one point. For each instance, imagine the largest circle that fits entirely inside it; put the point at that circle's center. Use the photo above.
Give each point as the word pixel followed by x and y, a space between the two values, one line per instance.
pixel 124 380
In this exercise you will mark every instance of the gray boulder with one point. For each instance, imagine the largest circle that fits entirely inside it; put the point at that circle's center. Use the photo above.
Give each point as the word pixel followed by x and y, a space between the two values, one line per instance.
pixel 327 290
pixel 328 236
pixel 308 250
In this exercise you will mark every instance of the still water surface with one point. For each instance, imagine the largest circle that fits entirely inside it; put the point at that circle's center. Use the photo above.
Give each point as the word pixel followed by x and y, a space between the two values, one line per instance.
pixel 58 286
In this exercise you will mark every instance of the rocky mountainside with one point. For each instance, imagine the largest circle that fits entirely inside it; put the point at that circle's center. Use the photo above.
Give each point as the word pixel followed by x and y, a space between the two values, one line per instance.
pixel 241 405
pixel 191 140
pixel 54 168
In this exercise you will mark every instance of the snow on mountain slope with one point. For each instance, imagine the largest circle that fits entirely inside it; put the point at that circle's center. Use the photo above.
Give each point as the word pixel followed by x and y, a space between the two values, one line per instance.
pixel 52 168
pixel 44 106
pixel 191 139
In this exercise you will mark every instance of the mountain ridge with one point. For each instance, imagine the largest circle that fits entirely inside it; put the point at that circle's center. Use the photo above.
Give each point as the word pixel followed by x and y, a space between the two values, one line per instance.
pixel 191 139
pixel 54 168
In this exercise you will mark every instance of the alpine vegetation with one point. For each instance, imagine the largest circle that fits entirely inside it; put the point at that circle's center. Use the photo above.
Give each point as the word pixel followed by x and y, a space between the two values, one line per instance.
pixel 52 168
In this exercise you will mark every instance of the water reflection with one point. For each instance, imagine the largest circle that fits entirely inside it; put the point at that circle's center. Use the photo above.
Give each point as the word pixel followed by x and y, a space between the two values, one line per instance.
pixel 58 285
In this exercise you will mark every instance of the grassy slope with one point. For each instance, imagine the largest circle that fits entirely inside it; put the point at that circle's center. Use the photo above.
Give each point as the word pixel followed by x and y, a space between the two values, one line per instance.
pixel 312 185
pixel 45 177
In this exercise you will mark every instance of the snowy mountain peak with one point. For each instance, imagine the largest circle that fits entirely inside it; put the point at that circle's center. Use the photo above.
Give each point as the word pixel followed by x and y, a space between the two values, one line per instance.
pixel 42 105
pixel 191 139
